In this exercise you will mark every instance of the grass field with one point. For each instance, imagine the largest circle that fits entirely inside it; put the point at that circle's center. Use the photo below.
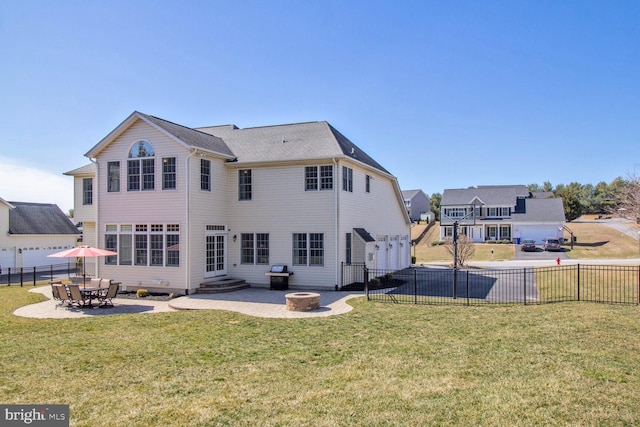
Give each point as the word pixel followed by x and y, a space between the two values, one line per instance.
pixel 379 365
pixel 594 241
pixel 599 241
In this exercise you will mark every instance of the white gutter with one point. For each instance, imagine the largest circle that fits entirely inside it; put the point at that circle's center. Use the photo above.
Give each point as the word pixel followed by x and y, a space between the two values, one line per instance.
pixel 336 221
pixel 188 217
pixel 97 205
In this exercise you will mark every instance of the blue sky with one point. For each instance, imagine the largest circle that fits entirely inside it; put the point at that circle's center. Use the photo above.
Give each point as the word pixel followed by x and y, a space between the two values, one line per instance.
pixel 444 94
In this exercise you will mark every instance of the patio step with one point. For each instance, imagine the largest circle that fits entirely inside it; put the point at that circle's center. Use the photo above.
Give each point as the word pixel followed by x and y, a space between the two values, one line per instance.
pixel 219 285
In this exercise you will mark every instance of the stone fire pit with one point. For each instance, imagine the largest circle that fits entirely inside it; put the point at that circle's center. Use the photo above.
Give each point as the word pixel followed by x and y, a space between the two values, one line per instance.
pixel 302 301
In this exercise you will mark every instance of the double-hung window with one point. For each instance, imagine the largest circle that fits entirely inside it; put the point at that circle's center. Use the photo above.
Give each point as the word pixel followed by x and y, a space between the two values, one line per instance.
pixel 173 245
pixel 308 249
pixel 87 191
pixel 157 244
pixel 142 244
pixel 254 248
pixel 318 178
pixel 111 244
pixel 205 174
pixel 113 177
pixel 347 179
pixel 169 173
pixel 247 248
pixel 310 178
pixel 141 167
pixel 347 243
pixel 244 184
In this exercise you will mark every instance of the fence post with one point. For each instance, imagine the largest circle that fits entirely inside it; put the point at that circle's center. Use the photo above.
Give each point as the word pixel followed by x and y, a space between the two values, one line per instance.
pixel 578 282
pixel 524 285
pixel 415 286
pixel 9 276
pixel 366 282
pixel 21 276
pixel 455 282
pixel 468 296
pixel 34 276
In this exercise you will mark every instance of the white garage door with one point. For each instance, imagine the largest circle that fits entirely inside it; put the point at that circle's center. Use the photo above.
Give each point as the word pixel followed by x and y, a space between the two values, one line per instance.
pixel 7 258
pixel 538 233
pixel 37 257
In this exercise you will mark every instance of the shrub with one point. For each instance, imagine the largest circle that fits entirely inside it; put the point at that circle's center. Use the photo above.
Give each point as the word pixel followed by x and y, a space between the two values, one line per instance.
pixel 437 243
pixel 141 293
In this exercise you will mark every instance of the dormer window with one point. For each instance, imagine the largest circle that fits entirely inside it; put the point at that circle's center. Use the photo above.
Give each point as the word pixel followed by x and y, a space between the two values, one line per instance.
pixel 140 167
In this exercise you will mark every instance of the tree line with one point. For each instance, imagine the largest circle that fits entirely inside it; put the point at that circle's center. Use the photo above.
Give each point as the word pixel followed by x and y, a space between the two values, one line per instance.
pixel 619 196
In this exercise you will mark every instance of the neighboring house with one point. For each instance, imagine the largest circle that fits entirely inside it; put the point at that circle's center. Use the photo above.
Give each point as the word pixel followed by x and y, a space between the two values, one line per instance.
pixel 418 205
pixel 31 231
pixel 501 212
pixel 182 205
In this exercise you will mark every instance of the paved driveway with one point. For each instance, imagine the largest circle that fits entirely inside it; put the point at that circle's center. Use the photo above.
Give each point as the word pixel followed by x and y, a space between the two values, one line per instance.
pixel 540 254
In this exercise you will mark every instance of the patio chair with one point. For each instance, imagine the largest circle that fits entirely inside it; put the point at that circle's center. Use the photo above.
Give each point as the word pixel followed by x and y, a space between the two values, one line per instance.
pixel 55 292
pixel 106 298
pixel 60 294
pixel 75 296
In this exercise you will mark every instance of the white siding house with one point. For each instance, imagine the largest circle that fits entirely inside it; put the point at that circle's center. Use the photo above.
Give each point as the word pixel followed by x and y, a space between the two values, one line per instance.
pixel 29 232
pixel 501 212
pixel 183 206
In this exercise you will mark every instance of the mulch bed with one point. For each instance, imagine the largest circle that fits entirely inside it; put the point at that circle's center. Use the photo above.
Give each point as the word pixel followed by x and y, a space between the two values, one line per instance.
pixel 150 297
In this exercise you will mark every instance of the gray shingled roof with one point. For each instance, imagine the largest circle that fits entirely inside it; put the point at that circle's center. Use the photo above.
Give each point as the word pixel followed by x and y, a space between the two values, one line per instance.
pixel 291 142
pixel 541 210
pixel 409 194
pixel 39 218
pixel 191 137
pixel 88 169
pixel 490 195
pixel 364 235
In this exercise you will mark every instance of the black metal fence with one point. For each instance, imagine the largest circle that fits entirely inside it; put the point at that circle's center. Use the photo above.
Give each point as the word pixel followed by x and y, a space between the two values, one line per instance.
pixel 611 284
pixel 29 276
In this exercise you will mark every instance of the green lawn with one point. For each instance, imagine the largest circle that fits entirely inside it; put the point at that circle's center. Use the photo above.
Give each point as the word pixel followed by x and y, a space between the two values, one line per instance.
pixel 379 365
pixel 594 241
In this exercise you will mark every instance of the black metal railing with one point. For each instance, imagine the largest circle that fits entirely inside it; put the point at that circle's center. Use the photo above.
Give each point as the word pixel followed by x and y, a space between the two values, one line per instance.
pixel 352 275
pixel 611 284
pixel 31 275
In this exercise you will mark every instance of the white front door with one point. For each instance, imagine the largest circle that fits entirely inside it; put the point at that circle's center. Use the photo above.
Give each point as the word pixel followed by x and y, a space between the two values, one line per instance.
pixel 215 255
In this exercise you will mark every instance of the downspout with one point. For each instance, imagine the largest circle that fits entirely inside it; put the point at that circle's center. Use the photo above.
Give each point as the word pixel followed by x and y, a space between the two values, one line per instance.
pixel 188 220
pixel 337 226
pixel 97 204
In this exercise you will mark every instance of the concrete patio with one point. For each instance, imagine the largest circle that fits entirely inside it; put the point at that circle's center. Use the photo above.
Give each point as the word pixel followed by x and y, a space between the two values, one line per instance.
pixel 255 302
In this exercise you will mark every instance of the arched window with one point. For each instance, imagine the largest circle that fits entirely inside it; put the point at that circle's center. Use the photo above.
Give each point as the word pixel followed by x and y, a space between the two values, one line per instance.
pixel 140 167
pixel 141 148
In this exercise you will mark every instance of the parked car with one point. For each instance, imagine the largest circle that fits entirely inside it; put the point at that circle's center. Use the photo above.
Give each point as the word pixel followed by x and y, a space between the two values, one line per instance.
pixel 528 246
pixel 552 245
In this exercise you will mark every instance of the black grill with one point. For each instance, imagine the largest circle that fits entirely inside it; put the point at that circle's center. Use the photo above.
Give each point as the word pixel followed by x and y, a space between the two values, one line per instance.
pixel 279 275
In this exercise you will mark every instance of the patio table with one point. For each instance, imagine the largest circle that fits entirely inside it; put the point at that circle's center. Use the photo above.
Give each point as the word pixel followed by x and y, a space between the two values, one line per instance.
pixel 91 293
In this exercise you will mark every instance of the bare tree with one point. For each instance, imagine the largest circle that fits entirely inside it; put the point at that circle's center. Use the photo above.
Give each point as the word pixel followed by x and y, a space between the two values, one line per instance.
pixel 628 200
pixel 466 248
